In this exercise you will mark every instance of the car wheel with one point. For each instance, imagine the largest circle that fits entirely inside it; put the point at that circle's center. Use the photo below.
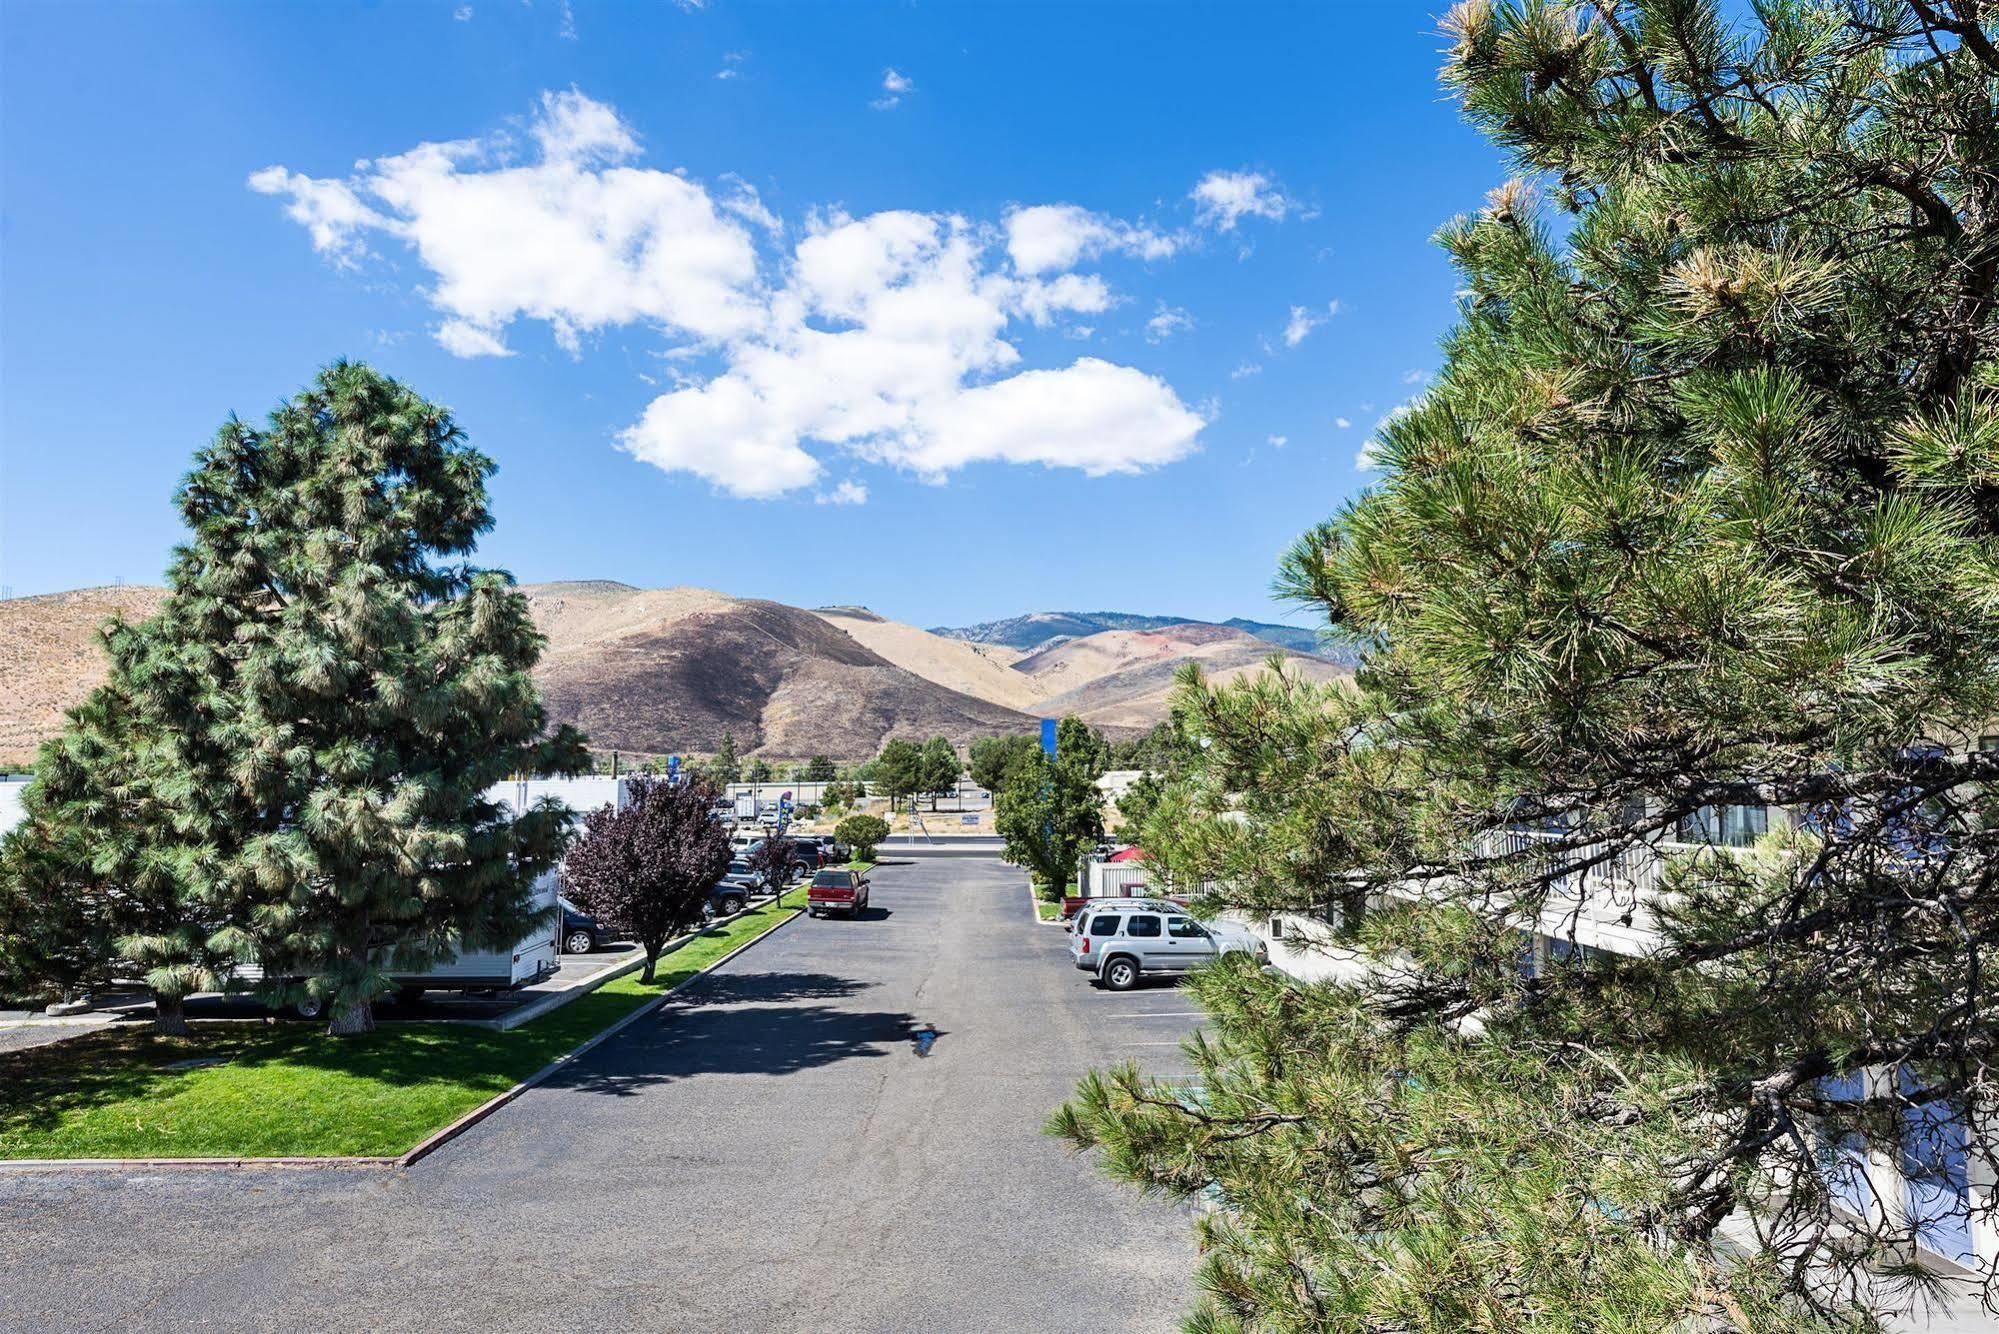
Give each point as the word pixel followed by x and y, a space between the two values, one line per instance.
pixel 578 942
pixel 1121 974
pixel 731 905
pixel 308 1007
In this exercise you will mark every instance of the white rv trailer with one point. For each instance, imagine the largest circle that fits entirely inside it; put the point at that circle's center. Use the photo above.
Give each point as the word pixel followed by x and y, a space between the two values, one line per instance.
pixel 536 954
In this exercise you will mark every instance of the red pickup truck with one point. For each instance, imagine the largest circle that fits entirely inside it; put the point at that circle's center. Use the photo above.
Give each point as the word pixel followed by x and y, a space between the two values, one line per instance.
pixel 837 891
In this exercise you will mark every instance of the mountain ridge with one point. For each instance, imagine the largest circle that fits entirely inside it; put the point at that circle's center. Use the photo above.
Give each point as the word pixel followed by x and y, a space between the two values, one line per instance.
pixel 652 671
pixel 1037 630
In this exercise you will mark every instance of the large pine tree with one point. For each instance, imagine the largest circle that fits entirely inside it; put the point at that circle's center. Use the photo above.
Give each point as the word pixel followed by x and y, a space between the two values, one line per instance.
pixel 293 754
pixel 1700 519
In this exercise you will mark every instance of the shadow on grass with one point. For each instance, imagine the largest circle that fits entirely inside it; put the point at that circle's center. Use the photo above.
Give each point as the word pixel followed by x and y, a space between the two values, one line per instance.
pixel 293 1073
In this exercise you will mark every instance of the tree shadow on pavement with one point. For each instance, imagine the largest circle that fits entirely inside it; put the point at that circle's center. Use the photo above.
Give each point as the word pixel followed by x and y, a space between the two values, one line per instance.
pixel 738 1031
pixel 765 989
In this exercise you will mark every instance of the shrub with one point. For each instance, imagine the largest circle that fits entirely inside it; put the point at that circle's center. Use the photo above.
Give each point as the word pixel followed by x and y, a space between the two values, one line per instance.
pixel 862 833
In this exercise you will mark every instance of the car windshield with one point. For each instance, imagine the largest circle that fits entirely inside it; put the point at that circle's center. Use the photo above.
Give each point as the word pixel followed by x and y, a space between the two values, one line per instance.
pixel 739 868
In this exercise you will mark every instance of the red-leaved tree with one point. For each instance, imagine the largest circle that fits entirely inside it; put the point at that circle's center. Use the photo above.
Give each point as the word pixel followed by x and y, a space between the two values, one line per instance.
pixel 648 868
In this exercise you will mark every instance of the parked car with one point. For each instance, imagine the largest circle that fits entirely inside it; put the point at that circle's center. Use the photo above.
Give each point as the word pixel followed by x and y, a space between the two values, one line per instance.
pixel 1119 945
pixel 742 877
pixel 727 896
pixel 1074 909
pixel 837 891
pixel 805 856
pixel 832 852
pixel 581 933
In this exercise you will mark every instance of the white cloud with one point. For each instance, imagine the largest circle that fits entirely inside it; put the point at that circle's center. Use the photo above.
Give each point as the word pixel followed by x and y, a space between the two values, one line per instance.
pixel 894 85
pixel 1303 320
pixel 1223 198
pixel 1052 237
pixel 330 211
pixel 568 32
pixel 1245 370
pixel 578 239
pixel 846 493
pixel 882 338
pixel 1277 441
pixel 463 13
pixel 1342 423
pixel 1301 323
pixel 1167 321
pixel 462 339
pixel 1415 377
pixel 732 65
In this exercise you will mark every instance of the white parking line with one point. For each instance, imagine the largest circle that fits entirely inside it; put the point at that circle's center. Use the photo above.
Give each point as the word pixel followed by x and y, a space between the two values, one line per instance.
pixel 1163 1014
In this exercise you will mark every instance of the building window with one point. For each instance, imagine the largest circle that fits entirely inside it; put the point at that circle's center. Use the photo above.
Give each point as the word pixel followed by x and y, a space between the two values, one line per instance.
pixel 1724 826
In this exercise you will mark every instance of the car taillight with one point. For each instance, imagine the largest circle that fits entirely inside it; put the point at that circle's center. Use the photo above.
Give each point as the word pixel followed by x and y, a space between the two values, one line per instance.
pixel 1086 944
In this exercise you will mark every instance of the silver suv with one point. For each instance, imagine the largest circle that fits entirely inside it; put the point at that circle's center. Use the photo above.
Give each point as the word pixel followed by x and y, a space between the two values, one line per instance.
pixel 1122 944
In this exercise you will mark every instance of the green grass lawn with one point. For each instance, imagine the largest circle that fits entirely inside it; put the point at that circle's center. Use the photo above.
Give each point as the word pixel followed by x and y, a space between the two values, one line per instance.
pixel 288 1090
pixel 1047 912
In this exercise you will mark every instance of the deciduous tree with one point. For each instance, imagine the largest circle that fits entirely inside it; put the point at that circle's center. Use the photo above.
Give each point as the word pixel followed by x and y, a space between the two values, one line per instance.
pixel 991 758
pixel 938 769
pixel 1050 810
pixel 649 867
pixel 862 833
pixel 898 770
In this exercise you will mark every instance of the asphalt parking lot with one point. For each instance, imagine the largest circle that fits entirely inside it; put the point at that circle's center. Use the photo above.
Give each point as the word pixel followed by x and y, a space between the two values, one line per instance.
pixel 770 1152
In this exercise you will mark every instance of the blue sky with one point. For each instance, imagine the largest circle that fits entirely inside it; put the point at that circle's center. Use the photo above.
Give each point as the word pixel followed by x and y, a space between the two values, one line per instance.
pixel 955 310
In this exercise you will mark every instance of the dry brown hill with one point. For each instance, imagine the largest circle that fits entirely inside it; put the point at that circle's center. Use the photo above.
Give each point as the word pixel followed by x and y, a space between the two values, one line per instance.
pixel 657 670
pixel 653 670
pixel 50 658
pixel 1124 678
pixel 983 671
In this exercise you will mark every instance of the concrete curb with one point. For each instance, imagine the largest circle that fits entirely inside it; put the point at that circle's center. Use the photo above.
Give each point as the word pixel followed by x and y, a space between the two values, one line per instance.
pixel 430 1144
pixel 482 1111
pixel 555 1000
pixel 1034 910
pixel 25 1165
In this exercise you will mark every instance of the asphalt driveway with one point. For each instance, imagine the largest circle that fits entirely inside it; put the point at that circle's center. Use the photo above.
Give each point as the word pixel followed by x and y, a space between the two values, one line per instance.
pixel 770 1153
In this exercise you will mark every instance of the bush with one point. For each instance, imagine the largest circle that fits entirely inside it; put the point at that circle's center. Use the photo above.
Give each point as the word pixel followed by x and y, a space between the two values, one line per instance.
pixel 862 833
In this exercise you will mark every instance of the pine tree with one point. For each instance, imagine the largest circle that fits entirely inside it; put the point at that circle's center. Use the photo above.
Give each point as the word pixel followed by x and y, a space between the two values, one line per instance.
pixel 724 767
pixel 1700 516
pixel 291 758
pixel 106 881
